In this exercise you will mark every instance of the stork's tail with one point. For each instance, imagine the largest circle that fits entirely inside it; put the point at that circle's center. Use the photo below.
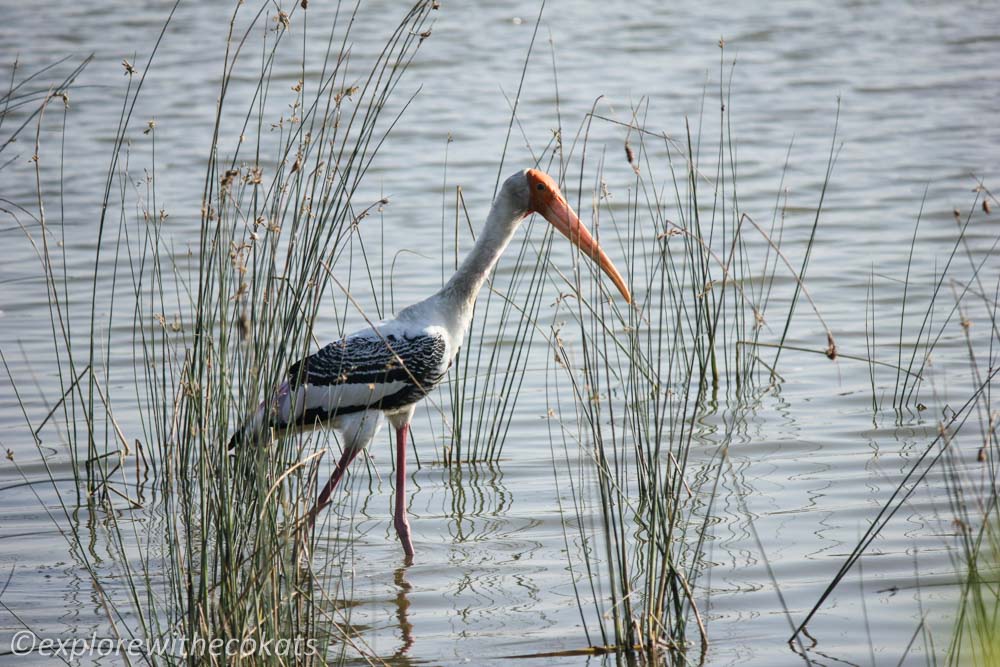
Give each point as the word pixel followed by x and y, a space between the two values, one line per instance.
pixel 255 430
pixel 242 436
pixel 251 432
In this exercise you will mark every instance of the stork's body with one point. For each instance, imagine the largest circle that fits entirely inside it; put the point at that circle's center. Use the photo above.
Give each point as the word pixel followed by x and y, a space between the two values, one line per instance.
pixel 389 367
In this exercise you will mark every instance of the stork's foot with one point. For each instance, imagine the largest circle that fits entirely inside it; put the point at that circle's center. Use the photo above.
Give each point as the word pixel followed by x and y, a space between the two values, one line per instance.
pixel 403 531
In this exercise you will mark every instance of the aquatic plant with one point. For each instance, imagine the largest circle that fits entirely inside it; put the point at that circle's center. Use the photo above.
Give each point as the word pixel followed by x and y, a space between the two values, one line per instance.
pixel 969 473
pixel 633 391
pixel 214 326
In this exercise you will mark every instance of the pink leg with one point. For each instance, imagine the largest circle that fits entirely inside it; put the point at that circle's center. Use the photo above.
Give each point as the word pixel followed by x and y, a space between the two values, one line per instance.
pixel 399 518
pixel 338 473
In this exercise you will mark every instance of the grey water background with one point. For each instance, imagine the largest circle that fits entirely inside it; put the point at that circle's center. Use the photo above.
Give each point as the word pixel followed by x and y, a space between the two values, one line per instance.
pixel 920 91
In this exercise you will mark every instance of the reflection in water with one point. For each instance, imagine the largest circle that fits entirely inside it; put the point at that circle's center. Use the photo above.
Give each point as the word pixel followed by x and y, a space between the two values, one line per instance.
pixel 402 607
pixel 477 494
pixel 493 576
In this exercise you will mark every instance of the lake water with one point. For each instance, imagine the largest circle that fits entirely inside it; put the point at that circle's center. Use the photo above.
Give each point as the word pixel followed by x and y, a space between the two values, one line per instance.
pixel 919 91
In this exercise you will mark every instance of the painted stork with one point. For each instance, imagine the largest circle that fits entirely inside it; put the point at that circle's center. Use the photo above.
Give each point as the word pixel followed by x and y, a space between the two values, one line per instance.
pixel 388 367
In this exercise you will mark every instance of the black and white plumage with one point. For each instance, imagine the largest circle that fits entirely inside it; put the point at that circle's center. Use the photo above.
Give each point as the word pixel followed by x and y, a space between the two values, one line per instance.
pixel 370 370
pixel 387 368
pixel 373 369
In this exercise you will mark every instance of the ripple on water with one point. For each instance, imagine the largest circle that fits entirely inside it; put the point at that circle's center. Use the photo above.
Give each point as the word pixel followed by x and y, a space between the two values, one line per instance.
pixel 811 468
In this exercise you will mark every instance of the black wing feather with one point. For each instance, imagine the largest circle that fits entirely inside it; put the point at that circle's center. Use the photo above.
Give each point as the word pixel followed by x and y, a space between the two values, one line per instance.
pixel 414 360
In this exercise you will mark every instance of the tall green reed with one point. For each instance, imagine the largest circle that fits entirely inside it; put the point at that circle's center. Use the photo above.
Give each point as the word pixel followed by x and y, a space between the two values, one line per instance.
pixel 964 452
pixel 634 391
pixel 214 328
pixel 970 474
pixel 33 90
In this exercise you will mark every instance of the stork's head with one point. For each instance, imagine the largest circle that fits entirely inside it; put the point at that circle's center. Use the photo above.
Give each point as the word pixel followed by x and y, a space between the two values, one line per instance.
pixel 540 194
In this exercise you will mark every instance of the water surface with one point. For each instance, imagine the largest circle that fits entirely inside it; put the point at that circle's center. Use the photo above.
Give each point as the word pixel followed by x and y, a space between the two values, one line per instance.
pixel 919 93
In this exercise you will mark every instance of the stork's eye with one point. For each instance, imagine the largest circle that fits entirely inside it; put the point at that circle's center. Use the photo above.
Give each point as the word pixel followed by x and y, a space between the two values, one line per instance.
pixel 540 187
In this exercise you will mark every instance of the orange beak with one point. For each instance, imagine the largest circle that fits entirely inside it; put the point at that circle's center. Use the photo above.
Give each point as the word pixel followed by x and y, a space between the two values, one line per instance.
pixel 548 201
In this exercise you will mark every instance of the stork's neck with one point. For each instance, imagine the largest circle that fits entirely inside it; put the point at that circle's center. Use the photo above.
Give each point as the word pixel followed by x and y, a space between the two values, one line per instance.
pixel 460 292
